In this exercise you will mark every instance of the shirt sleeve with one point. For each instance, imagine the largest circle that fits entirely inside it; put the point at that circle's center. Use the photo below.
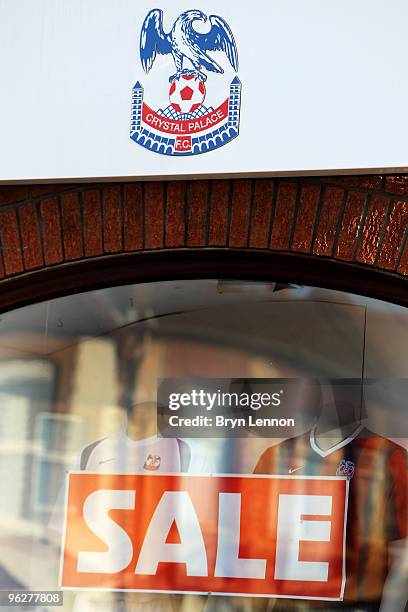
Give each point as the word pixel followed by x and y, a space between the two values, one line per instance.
pixel 57 518
pixel 267 461
pixel 397 512
pixel 201 463
pixel 80 463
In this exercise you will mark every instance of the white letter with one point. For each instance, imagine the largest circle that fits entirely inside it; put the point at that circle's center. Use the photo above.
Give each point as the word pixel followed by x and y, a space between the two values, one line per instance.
pixel 291 530
pixel 174 506
pixel 185 399
pixel 228 564
pixel 173 401
pixel 276 399
pixel 120 549
pixel 211 399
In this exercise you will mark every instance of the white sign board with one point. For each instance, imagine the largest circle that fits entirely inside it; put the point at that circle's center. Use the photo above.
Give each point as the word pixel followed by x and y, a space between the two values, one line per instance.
pixel 95 89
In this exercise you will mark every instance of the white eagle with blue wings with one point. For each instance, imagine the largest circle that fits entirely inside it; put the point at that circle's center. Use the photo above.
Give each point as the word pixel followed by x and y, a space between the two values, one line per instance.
pixel 188 46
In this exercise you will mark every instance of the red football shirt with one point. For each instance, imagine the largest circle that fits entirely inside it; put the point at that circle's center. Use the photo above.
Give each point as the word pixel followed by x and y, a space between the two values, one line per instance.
pixel 377 508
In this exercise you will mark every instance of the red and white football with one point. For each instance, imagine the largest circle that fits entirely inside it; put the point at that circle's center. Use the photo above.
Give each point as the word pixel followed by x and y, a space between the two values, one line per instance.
pixel 187 93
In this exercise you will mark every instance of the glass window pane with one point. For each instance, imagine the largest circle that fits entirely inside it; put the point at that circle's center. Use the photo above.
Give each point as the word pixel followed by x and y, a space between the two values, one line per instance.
pixel 148 458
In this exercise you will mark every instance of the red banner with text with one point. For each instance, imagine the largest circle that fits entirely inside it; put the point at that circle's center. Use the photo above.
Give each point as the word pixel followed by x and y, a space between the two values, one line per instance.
pixel 185 127
pixel 275 536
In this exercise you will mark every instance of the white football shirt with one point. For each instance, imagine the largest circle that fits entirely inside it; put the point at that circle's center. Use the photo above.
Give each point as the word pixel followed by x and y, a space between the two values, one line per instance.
pixel 119 454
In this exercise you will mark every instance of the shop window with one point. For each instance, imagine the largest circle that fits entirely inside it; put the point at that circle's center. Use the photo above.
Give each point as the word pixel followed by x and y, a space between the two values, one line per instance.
pixel 206 445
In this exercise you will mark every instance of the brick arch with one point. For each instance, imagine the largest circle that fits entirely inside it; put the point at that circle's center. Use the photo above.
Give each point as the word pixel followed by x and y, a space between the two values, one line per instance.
pixel 345 232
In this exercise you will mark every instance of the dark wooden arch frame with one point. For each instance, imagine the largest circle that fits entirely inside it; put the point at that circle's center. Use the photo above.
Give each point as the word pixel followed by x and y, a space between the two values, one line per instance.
pixel 200 264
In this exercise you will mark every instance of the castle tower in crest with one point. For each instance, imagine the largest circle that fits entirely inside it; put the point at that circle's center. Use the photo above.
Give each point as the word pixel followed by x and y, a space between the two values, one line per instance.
pixel 234 103
pixel 137 104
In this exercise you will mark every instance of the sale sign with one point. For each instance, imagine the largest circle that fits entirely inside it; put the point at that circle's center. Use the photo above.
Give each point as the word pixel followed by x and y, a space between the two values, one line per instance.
pixel 272 536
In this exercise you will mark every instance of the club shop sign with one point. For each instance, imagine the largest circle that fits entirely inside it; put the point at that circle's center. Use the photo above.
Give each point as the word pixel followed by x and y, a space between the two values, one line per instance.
pixel 244 535
pixel 121 89
pixel 187 125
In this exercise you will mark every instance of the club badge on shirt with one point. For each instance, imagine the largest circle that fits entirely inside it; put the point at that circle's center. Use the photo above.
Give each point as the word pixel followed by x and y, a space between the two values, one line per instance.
pixel 152 463
pixel 346 468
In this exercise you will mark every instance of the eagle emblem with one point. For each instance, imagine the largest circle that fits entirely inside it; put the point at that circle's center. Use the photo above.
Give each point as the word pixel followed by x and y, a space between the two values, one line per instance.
pixel 346 468
pixel 186 45
pixel 152 463
pixel 186 124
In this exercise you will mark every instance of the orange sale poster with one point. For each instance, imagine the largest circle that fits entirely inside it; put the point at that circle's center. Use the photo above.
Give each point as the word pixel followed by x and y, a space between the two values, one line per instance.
pixel 271 536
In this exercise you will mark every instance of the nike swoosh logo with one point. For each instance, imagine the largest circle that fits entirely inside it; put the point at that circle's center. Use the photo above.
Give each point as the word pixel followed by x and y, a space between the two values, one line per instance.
pixel 106 460
pixel 292 471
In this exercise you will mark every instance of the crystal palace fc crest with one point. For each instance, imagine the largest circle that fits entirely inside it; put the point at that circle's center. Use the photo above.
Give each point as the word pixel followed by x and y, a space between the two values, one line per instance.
pixel 196 109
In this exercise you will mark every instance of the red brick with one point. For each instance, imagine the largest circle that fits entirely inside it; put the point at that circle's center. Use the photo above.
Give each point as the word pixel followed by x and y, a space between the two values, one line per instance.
pixel 154 215
pixel 133 216
pixel 394 235
pixel 261 214
pixel 370 239
pixel 372 230
pixel 112 219
pixel 397 184
pixel 240 213
pixel 10 195
pixel 92 219
pixel 327 224
pixel 374 181
pixel 283 219
pixel 403 264
pixel 51 223
pixel 175 207
pixel 197 213
pixel 219 205
pixel 37 191
pixel 305 218
pixel 71 226
pixel 10 242
pixel 31 238
pixel 350 226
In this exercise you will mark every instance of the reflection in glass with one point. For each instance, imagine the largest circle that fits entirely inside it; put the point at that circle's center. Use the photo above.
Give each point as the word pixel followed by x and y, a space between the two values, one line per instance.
pixel 78 383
